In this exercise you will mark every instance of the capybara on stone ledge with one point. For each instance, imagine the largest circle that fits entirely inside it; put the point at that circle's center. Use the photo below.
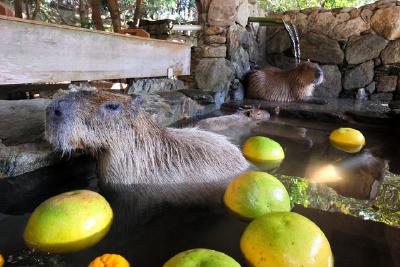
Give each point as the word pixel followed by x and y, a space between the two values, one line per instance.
pixel 139 162
pixel 274 84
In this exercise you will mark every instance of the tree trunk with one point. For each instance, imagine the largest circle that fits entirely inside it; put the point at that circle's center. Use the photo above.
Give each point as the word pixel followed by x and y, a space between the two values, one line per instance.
pixel 113 7
pixel 82 14
pixel 96 14
pixel 137 15
pixel 36 10
pixel 18 8
pixel 27 9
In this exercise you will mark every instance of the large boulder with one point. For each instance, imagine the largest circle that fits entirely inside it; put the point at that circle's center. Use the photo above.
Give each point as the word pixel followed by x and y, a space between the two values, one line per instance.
pixel 279 43
pixel 366 15
pixel 332 84
pixel 359 76
pixel 243 13
pixel 155 85
pixel 281 61
pixel 214 74
pixel 235 39
pixel 166 108
pixel 364 48
pixel 387 83
pixel 342 17
pixel 241 63
pixel 27 118
pixel 222 13
pixel 214 51
pixel 319 48
pixel 391 54
pixel 20 159
pixel 352 27
pixel 386 22
pixel 323 22
pixel 301 22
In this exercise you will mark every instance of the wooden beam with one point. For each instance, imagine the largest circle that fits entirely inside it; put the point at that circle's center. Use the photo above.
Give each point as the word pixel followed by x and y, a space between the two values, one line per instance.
pixel 37 52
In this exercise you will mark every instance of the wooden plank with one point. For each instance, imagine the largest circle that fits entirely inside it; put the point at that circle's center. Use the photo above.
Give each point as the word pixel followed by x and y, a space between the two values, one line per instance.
pixel 37 52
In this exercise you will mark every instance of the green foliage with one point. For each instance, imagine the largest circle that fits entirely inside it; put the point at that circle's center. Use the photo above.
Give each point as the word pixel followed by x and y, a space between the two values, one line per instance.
pixel 285 5
pixel 158 9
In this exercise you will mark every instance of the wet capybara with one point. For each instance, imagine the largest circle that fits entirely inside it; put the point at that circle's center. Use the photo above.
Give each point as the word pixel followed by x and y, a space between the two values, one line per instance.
pixel 137 159
pixel 274 84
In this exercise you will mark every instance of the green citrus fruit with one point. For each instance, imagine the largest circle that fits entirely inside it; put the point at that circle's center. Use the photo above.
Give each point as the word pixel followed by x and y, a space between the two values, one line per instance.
pixel 254 194
pixel 285 239
pixel 263 152
pixel 201 257
pixel 69 222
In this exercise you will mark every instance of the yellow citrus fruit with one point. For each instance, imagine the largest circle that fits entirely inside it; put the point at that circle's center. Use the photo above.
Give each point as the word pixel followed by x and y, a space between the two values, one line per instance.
pixel 201 257
pixel 1 260
pixel 254 194
pixel 264 152
pixel 285 239
pixel 69 222
pixel 347 139
pixel 109 260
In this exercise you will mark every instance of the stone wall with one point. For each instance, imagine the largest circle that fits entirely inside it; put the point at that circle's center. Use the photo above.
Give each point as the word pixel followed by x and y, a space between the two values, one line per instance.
pixel 358 48
pixel 226 48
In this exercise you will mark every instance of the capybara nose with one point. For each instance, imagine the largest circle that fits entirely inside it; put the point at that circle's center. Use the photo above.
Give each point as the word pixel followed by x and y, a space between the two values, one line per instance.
pixel 318 73
pixel 60 109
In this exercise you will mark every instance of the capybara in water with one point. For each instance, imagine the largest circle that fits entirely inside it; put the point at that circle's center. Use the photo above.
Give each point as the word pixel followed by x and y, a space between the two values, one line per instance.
pixel 137 159
pixel 274 84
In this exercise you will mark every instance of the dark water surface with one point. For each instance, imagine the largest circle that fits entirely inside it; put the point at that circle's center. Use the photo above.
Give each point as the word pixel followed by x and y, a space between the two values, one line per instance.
pixel 354 242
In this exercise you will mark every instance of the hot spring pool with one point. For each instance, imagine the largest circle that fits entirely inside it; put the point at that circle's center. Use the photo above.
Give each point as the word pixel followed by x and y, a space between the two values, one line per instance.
pixel 354 241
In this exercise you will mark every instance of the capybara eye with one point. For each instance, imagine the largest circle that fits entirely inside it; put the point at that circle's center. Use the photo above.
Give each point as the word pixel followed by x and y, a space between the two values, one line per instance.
pixel 112 106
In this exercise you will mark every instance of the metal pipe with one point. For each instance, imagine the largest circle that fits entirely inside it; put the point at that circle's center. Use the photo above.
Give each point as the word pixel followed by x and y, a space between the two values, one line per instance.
pixel 188 27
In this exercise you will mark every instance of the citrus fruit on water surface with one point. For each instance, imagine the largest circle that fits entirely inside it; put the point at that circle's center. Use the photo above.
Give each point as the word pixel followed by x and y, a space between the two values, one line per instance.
pixel 263 152
pixel 347 139
pixel 68 222
pixel 201 257
pixel 109 260
pixel 285 239
pixel 1 260
pixel 254 194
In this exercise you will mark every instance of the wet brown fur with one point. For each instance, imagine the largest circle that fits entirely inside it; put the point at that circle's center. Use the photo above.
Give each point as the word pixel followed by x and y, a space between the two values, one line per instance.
pixel 274 84
pixel 140 163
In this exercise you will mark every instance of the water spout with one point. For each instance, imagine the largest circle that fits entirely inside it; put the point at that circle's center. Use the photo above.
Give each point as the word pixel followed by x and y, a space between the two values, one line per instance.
pixel 294 37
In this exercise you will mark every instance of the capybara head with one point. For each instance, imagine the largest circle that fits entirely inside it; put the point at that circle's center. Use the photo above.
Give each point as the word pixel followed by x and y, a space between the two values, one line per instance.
pixel 89 119
pixel 310 73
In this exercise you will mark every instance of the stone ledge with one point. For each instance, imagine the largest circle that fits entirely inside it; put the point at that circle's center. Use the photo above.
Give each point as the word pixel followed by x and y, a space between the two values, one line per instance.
pixel 337 110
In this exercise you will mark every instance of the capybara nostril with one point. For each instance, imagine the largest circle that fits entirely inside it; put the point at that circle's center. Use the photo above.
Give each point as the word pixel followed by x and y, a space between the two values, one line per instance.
pixel 318 73
pixel 62 108
pixel 57 113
